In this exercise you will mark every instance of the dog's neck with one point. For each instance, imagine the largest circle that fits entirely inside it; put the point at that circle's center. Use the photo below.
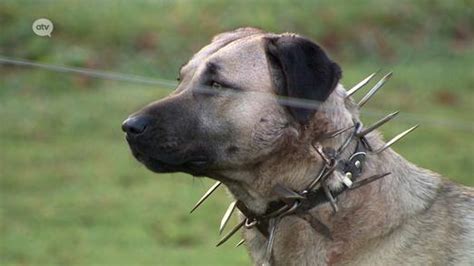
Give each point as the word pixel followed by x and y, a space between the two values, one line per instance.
pixel 380 206
pixel 253 186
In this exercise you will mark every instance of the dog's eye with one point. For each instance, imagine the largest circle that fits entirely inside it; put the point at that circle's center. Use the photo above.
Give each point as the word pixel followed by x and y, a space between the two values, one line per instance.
pixel 178 79
pixel 216 85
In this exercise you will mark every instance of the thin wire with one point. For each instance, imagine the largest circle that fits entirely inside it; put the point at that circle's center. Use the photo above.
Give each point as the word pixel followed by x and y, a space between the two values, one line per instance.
pixel 90 72
pixel 287 101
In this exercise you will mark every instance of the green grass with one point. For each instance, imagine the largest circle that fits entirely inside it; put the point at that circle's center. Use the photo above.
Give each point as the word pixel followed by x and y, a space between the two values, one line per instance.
pixel 70 191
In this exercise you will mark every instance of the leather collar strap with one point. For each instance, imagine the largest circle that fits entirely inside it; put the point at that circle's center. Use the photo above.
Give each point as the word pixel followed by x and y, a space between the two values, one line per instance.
pixel 351 169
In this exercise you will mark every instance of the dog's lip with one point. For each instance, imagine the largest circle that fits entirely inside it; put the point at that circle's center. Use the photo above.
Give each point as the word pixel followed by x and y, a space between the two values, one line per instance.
pixel 193 162
pixel 198 163
pixel 196 167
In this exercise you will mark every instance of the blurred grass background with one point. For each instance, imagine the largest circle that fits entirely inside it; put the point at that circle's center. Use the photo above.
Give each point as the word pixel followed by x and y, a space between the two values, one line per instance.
pixel 71 193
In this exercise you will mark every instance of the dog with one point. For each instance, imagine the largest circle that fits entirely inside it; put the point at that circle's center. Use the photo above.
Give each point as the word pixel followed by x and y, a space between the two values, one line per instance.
pixel 226 121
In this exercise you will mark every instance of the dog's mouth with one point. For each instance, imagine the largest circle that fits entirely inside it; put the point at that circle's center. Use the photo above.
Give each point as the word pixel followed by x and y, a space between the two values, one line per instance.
pixel 193 164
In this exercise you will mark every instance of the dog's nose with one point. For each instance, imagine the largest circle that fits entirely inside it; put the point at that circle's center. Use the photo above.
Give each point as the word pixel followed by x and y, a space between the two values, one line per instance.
pixel 135 125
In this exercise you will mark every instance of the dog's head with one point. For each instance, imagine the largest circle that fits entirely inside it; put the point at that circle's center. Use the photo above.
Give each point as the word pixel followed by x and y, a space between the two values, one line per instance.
pixel 225 119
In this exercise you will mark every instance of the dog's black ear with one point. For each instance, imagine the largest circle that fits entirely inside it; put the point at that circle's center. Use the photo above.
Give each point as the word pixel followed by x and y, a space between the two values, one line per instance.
pixel 301 69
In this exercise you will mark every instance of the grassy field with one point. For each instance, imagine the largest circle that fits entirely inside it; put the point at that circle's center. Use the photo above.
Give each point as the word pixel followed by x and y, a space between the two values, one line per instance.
pixel 71 193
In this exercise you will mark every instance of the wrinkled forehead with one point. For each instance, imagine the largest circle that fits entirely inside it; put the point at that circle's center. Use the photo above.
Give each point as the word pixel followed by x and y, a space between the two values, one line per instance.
pixel 241 61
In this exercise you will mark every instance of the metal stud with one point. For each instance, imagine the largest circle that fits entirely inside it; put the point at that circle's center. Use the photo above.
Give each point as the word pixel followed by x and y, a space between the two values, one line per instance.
pixel 227 216
pixel 395 139
pixel 357 164
pixel 347 179
pixel 378 124
pixel 205 196
pixel 374 89
pixel 360 85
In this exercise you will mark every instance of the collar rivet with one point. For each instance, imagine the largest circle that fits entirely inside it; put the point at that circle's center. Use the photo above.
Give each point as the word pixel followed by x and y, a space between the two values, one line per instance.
pixel 357 163
pixel 348 175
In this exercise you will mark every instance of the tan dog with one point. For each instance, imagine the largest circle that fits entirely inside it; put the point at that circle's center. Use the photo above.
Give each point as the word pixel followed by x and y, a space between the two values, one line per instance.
pixel 239 133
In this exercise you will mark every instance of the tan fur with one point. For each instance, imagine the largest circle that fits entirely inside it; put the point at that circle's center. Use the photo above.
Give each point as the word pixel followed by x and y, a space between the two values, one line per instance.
pixel 411 217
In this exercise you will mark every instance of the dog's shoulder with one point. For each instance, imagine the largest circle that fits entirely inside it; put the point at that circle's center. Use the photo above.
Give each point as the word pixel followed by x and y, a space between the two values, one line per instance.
pixel 454 211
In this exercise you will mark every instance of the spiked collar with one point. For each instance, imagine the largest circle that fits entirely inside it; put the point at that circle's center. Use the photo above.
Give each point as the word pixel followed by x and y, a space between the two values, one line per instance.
pixel 299 203
pixel 316 193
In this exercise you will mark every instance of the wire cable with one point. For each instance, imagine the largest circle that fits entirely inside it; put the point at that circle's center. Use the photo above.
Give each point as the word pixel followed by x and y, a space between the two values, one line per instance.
pixel 168 84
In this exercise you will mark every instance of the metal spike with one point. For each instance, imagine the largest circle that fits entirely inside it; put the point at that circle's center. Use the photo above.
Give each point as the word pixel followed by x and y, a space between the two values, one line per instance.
pixel 322 176
pixel 378 124
pixel 286 193
pixel 330 197
pixel 227 215
pixel 205 196
pixel 319 150
pixel 374 89
pixel 395 139
pixel 360 85
pixel 231 233
pixel 271 238
pixel 317 225
pixel 337 132
pixel 240 243
pixel 367 181
pixel 316 180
